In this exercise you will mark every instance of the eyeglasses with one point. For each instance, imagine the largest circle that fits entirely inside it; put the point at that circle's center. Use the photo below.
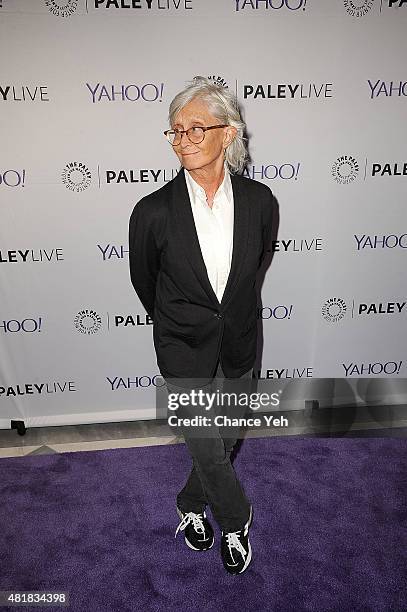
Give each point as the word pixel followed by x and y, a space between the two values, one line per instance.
pixel 194 134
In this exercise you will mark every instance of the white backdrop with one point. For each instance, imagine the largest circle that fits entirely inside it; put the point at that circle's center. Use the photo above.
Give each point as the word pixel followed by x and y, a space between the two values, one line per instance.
pixel 84 93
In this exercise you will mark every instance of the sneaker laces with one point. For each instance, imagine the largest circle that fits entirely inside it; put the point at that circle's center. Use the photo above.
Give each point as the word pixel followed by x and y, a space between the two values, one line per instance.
pixel 196 520
pixel 233 541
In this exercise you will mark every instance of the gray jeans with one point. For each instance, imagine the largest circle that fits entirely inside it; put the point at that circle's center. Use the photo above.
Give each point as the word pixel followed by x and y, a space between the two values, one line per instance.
pixel 213 479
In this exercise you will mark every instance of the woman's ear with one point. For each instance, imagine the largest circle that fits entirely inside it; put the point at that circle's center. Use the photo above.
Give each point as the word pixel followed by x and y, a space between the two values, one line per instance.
pixel 230 134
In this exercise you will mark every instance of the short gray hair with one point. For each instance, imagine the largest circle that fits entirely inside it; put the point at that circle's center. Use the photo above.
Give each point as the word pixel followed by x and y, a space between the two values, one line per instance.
pixel 223 105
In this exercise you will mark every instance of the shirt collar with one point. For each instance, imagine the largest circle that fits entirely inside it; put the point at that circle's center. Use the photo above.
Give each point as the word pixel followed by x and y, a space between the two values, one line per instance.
pixel 198 192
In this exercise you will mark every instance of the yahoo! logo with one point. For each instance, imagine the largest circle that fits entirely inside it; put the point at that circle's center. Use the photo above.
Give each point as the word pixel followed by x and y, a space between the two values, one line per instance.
pixel 149 92
pixel 144 381
pixel 388 367
pixel 26 325
pixel 270 172
pixel 12 178
pixel 387 89
pixel 389 241
pixel 292 5
pixel 110 251
pixel 278 312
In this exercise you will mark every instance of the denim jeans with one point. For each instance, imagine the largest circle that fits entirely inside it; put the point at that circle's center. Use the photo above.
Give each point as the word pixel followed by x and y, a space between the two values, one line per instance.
pixel 212 479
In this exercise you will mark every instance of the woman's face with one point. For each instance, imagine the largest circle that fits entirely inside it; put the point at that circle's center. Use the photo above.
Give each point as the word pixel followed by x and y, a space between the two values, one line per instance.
pixel 208 153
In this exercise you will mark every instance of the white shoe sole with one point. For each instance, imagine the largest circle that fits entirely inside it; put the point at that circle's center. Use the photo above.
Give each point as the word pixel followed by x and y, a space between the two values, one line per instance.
pixel 249 553
pixel 248 558
pixel 247 561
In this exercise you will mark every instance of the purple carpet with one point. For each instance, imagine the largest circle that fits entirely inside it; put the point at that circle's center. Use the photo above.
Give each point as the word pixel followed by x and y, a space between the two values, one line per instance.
pixel 329 529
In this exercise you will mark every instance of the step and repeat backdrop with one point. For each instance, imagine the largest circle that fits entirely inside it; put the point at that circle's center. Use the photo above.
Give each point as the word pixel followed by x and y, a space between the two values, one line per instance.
pixel 85 87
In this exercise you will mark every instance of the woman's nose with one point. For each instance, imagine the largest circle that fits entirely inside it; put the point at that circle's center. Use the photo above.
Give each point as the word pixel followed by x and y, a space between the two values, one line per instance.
pixel 184 140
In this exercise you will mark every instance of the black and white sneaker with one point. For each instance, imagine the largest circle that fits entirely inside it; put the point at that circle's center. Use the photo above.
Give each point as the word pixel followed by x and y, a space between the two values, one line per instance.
pixel 235 548
pixel 198 530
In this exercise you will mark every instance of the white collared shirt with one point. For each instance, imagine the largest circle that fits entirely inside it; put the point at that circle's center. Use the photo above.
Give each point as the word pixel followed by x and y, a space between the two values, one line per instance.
pixel 214 227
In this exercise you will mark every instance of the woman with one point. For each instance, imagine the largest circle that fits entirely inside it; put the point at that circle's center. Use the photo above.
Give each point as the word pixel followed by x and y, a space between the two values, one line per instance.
pixel 195 246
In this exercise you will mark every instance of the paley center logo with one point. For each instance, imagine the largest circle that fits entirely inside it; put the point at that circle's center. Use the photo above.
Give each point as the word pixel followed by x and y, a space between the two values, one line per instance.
pixel 61 8
pixel 334 309
pixel 76 176
pixel 271 5
pixel 358 8
pixel 88 321
pixel 149 5
pixel 345 169
pixel 37 388
pixel 381 308
pixel 396 3
pixel 138 320
pixel 287 91
pixel 297 245
pixel 292 372
pixel 134 175
pixel 218 80
pixel 379 169
pixel 31 255
pixel 23 93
